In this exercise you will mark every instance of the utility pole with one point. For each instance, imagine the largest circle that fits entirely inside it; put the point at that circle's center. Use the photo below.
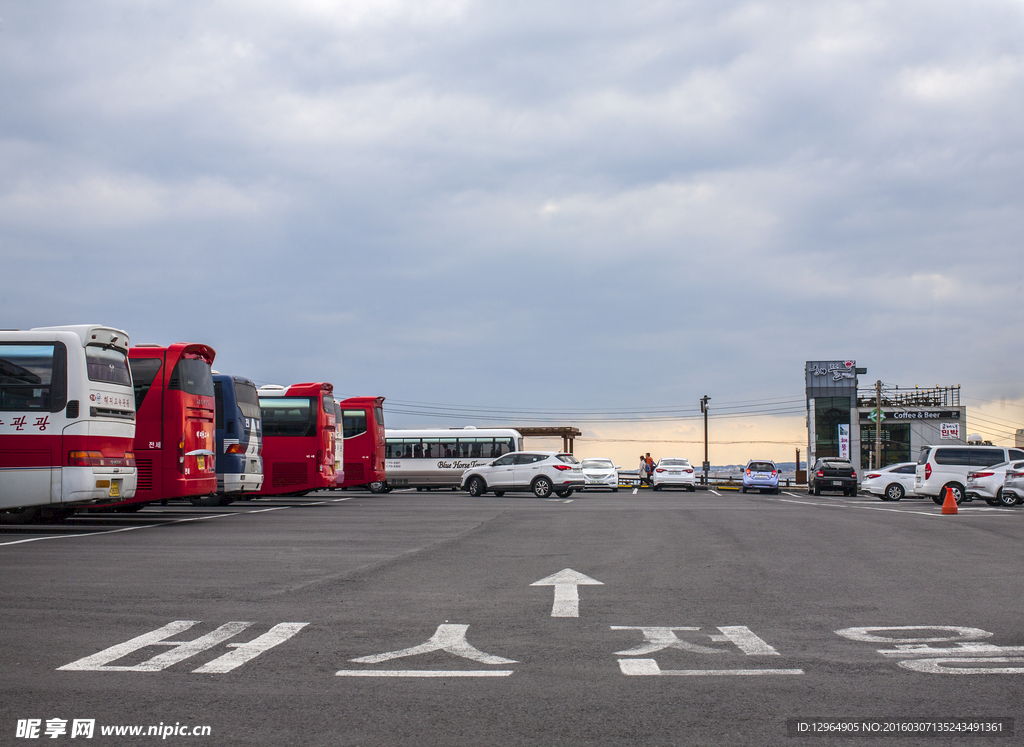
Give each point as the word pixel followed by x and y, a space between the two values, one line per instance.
pixel 704 409
pixel 878 424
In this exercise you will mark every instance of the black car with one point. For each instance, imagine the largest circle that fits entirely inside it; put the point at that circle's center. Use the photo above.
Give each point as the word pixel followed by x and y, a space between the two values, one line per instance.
pixel 832 474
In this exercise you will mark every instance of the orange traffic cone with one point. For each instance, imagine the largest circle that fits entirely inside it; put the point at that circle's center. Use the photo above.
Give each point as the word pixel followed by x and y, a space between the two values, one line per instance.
pixel 949 504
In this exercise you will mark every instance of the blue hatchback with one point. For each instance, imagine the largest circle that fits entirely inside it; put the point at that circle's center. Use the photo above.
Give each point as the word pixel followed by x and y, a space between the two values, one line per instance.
pixel 761 476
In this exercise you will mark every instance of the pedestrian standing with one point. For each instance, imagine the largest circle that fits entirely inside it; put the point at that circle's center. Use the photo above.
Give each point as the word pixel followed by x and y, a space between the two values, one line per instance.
pixel 642 472
pixel 650 468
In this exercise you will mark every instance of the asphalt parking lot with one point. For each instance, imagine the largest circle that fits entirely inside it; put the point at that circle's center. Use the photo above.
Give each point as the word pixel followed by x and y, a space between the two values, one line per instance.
pixel 414 618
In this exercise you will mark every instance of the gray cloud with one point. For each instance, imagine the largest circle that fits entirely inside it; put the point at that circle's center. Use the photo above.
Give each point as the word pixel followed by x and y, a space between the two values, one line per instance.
pixel 591 204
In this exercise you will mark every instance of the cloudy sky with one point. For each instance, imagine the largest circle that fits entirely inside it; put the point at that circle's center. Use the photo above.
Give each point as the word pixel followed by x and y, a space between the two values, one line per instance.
pixel 584 213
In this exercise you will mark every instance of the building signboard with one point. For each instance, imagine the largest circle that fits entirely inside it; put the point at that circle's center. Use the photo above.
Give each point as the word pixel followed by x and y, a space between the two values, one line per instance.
pixel 950 430
pixel 913 415
pixel 844 441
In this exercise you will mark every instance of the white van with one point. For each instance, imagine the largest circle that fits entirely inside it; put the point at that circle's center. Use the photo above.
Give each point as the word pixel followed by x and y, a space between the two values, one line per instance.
pixel 941 467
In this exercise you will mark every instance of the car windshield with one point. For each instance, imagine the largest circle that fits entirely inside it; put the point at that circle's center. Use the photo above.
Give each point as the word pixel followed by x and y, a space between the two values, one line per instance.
pixel 674 463
pixel 567 458
pixel 598 464
pixel 761 467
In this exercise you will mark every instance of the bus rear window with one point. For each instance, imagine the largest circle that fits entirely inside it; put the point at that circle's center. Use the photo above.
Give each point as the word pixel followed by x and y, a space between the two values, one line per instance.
pixel 248 400
pixel 192 376
pixel 26 373
pixel 288 416
pixel 144 371
pixel 107 364
pixel 354 422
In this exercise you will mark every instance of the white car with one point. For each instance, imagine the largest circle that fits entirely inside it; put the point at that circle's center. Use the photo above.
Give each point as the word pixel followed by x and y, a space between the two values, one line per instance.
pixel 942 467
pixel 600 473
pixel 540 472
pixel 890 483
pixel 673 472
pixel 1014 483
pixel 987 483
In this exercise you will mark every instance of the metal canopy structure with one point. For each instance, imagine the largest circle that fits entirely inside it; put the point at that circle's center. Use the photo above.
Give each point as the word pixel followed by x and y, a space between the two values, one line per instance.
pixel 567 434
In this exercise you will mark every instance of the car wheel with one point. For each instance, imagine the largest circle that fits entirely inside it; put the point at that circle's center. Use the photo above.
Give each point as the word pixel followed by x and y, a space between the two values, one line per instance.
pixel 693 488
pixel 1006 499
pixel 939 498
pixel 958 492
pixel 541 487
pixel 894 492
pixel 499 493
pixel 615 490
pixel 655 487
pixel 993 501
pixel 475 487
pixel 816 490
pixel 744 489
pixel 564 493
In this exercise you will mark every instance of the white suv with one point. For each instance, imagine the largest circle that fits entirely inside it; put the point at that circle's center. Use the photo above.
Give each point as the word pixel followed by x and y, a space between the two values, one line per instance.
pixel 941 467
pixel 540 472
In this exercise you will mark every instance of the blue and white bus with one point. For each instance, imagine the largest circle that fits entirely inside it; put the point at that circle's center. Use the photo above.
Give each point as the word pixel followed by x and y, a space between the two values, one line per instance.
pixel 436 458
pixel 239 434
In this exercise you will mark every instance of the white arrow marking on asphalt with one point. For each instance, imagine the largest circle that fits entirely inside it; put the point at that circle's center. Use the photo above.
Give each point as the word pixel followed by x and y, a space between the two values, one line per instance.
pixel 567 595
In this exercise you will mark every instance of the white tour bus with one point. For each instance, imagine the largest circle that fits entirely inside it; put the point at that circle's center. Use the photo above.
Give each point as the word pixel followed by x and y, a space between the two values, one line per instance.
pixel 436 458
pixel 67 419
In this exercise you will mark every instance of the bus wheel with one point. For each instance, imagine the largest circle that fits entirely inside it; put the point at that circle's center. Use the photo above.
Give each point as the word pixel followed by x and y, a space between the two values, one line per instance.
pixel 129 508
pixel 19 515
pixel 380 486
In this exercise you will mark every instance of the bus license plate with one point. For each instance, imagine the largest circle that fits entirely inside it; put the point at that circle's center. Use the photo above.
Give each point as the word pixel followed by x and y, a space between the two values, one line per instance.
pixel 115 490
pixel 201 462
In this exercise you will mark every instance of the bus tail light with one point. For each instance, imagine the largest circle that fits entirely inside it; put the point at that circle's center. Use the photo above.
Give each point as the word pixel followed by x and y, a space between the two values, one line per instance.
pixel 181 454
pixel 129 459
pixel 235 449
pixel 85 459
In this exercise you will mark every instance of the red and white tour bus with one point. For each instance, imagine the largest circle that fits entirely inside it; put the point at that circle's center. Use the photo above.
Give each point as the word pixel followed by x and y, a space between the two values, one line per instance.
pixel 67 419
pixel 174 426
pixel 298 438
pixel 363 428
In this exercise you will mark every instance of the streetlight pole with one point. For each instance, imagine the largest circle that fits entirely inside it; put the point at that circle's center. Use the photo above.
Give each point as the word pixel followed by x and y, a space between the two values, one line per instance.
pixel 704 409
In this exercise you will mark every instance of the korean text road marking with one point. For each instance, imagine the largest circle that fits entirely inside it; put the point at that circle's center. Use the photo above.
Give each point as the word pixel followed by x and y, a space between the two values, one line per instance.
pixel 918 655
pixel 661 638
pixel 181 650
pixel 448 638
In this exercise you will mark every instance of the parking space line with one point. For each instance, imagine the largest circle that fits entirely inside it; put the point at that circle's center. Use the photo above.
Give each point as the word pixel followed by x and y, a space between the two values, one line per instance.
pixel 122 529
pixel 717 493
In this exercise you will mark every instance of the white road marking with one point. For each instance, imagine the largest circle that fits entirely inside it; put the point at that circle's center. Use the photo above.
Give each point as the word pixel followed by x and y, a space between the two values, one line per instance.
pixel 567 596
pixel 122 529
pixel 247 651
pixel 635 490
pixel 423 673
pixel 448 638
pixel 717 493
pixel 180 650
pixel 569 501
pixel 649 667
